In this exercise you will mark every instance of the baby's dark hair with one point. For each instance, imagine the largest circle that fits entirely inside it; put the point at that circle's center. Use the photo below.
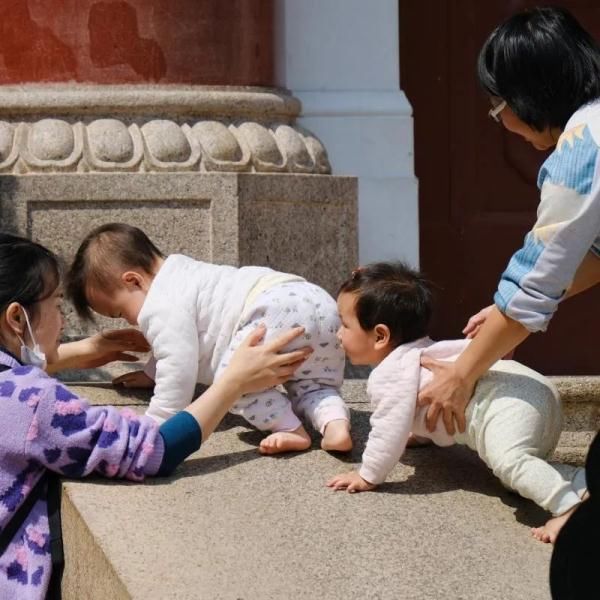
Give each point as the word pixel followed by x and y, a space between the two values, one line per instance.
pixel 392 294
pixel 102 253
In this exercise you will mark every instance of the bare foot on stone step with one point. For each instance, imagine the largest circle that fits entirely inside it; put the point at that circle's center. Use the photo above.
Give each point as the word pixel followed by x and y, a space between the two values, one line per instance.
pixel 336 436
pixel 285 441
pixel 548 532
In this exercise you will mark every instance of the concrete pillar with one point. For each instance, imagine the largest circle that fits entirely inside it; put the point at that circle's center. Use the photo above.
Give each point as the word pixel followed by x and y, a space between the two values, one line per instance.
pixel 341 59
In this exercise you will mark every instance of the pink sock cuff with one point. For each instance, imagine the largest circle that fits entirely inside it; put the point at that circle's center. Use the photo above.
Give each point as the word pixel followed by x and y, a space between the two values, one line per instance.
pixel 332 413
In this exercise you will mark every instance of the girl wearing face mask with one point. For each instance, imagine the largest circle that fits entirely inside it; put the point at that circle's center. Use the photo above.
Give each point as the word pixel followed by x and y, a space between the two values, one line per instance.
pixel 46 428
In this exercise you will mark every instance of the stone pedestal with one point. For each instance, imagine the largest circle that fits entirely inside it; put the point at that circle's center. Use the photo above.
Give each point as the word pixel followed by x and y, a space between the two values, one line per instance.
pixel 221 174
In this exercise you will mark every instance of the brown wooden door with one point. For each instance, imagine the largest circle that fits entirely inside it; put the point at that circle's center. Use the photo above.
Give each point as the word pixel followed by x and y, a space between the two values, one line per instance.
pixel 477 182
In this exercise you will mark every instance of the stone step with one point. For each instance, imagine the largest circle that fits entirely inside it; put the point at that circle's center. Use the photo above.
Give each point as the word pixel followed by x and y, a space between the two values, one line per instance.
pixel 233 524
pixel 580 396
pixel 581 408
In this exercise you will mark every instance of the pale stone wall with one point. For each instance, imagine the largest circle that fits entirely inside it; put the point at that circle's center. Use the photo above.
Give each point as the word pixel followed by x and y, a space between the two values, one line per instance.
pixel 341 59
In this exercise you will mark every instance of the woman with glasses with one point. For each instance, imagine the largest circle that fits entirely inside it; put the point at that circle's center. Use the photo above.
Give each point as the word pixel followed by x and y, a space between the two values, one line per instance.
pixel 541 70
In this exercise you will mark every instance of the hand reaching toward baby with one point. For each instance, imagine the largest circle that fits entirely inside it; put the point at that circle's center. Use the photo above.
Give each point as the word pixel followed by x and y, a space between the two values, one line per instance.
pixel 135 379
pixel 351 482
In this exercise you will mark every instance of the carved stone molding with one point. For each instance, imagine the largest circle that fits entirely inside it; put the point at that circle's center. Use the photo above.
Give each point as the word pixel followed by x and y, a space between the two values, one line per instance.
pixel 70 128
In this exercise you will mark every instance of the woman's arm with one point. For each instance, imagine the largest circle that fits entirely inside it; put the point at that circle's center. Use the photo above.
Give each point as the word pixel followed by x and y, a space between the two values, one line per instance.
pixel 453 383
pixel 99 349
pixel 252 368
pixel 494 335
pixel 70 437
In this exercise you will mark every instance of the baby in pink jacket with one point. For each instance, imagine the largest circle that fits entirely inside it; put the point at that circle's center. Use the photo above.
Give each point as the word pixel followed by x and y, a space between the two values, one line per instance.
pixel 513 420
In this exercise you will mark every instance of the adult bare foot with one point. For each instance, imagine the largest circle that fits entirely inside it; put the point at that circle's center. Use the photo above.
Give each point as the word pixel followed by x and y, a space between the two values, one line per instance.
pixel 336 436
pixel 549 532
pixel 285 441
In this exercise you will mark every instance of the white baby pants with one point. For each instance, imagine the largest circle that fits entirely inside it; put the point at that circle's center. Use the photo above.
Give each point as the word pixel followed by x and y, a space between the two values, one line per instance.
pixel 314 391
pixel 513 422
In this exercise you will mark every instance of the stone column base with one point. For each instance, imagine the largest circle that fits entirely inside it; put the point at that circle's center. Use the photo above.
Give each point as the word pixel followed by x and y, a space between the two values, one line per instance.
pixel 222 174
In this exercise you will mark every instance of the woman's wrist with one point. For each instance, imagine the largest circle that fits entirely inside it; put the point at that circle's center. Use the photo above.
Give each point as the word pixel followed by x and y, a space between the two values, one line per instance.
pixel 464 375
pixel 229 385
pixel 68 356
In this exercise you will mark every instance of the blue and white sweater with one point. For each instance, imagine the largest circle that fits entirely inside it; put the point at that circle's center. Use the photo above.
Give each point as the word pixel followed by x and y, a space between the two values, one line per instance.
pixel 567 226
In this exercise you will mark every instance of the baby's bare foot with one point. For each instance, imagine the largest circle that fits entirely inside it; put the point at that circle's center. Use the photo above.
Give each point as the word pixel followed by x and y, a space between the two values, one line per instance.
pixel 549 532
pixel 285 441
pixel 337 436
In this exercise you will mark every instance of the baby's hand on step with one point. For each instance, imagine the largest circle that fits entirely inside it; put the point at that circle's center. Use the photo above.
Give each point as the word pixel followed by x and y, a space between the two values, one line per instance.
pixel 135 379
pixel 351 482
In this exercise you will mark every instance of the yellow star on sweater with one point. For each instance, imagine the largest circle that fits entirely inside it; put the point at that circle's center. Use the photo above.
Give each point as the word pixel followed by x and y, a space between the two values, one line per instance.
pixel 569 136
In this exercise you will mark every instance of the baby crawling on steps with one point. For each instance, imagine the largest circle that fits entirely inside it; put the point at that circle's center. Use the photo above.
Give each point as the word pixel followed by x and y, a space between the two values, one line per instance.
pixel 514 418
pixel 194 316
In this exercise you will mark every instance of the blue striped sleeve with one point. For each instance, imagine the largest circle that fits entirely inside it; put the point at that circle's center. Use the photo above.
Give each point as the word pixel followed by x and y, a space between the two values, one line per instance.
pixel 522 262
pixel 567 227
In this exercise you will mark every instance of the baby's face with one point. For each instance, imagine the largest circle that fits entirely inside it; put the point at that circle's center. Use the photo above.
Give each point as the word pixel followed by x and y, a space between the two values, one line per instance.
pixel 121 302
pixel 358 344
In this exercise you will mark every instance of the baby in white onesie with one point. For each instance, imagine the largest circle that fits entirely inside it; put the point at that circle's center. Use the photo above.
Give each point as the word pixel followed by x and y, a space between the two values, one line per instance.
pixel 514 418
pixel 194 315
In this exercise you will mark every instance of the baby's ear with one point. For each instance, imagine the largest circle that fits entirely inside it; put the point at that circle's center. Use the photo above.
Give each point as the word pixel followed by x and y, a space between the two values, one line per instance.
pixel 131 279
pixel 382 336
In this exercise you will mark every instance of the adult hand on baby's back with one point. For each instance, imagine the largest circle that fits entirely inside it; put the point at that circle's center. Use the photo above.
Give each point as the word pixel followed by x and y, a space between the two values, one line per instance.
pixel 256 367
pixel 351 482
pixel 447 394
pixel 135 379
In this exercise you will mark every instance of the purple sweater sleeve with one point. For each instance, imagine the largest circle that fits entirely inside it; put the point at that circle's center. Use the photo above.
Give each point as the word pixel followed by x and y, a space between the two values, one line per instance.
pixel 72 438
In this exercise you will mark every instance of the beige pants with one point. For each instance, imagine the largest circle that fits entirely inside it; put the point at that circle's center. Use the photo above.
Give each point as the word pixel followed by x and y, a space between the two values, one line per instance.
pixel 513 422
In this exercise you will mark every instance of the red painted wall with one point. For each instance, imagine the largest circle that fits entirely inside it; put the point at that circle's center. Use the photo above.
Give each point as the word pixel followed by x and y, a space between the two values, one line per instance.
pixel 218 42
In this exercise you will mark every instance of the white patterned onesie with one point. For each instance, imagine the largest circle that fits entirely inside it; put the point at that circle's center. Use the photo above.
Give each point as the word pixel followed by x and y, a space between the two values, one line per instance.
pixel 314 392
pixel 196 314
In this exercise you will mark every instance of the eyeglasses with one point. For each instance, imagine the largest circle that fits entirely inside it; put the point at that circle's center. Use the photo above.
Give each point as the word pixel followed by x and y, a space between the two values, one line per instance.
pixel 496 110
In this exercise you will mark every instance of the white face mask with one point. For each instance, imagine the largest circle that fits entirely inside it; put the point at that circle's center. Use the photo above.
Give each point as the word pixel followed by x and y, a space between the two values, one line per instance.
pixel 31 356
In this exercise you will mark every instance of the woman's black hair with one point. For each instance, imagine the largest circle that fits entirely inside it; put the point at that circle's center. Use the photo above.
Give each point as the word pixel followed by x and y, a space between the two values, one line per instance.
pixel 543 64
pixel 392 294
pixel 28 272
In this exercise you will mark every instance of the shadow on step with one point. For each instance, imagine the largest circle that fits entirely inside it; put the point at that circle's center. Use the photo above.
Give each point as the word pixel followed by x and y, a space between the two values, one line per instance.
pixel 440 470
pixel 436 470
pixel 205 465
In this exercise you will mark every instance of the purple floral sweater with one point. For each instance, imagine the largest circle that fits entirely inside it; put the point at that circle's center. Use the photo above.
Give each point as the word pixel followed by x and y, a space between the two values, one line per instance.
pixel 45 426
